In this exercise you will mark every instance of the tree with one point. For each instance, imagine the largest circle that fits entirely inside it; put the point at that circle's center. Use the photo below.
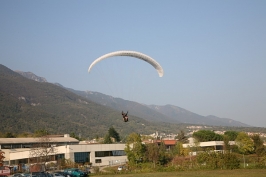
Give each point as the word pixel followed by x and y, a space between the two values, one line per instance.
pixel 40 133
pixel 231 135
pixel 42 151
pixel 156 153
pixel 107 139
pixel 258 145
pixel 244 143
pixel 226 142
pixel 215 160
pixel 73 135
pixel 113 133
pixel 180 150
pixel 152 153
pixel 2 157
pixel 181 137
pixel 207 135
pixel 9 135
pixel 67 163
pixel 162 154
pixel 134 148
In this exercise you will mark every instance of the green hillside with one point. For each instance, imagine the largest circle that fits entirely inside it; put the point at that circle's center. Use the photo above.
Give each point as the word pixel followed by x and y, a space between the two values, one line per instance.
pixel 27 106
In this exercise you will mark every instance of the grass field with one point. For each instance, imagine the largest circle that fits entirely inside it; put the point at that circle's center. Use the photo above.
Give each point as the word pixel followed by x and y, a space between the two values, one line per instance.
pixel 201 173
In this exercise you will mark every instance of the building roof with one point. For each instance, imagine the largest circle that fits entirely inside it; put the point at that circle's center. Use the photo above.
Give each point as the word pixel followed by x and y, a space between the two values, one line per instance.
pixel 208 143
pixel 34 140
pixel 166 142
pixel 169 142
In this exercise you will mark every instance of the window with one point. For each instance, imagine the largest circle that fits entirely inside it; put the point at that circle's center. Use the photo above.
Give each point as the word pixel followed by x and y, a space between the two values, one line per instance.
pixel 119 153
pixel 109 153
pixel 27 145
pixel 81 157
pixel 98 160
pixel 6 146
pixel 16 146
pixel 102 153
pixel 59 156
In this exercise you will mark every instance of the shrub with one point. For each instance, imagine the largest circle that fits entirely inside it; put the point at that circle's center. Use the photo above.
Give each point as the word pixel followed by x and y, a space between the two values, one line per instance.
pixel 213 160
pixel 184 163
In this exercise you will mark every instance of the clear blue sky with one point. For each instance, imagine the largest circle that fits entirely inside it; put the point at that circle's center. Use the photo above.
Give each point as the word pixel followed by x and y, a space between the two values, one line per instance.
pixel 213 52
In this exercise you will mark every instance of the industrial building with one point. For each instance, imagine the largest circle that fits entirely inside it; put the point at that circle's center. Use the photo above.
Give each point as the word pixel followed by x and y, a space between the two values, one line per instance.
pixel 18 151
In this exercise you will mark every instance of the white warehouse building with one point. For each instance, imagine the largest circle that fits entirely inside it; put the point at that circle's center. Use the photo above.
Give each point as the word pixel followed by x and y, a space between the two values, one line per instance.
pixel 17 151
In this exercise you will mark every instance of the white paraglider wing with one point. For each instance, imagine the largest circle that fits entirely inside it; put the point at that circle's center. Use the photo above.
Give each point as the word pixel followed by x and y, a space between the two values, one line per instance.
pixel 135 54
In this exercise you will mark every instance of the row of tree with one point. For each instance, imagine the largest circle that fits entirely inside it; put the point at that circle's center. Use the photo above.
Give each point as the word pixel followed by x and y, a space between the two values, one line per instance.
pixel 179 158
pixel 244 143
pixel 157 154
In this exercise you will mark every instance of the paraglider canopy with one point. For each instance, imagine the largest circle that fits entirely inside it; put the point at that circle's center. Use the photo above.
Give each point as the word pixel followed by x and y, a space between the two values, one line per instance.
pixel 134 54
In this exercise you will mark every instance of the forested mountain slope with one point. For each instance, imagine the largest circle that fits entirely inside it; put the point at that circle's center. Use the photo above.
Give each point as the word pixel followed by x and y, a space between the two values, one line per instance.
pixel 164 113
pixel 28 105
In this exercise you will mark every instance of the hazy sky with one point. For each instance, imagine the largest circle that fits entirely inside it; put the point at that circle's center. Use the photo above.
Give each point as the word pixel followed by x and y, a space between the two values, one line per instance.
pixel 213 52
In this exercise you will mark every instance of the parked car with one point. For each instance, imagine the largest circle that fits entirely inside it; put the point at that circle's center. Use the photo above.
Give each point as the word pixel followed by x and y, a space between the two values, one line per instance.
pixel 25 175
pixel 40 174
pixel 64 173
pixel 86 173
pixel 58 175
pixel 21 175
pixel 120 168
pixel 17 175
pixel 75 172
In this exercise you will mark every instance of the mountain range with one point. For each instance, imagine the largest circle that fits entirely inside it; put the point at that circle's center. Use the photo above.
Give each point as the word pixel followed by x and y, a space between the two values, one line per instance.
pixel 166 113
pixel 28 103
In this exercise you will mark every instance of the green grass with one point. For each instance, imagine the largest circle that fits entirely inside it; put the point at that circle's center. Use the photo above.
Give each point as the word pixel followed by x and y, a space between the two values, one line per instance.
pixel 202 173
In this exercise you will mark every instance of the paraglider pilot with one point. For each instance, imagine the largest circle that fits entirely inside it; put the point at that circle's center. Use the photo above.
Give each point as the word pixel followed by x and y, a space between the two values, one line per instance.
pixel 125 117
